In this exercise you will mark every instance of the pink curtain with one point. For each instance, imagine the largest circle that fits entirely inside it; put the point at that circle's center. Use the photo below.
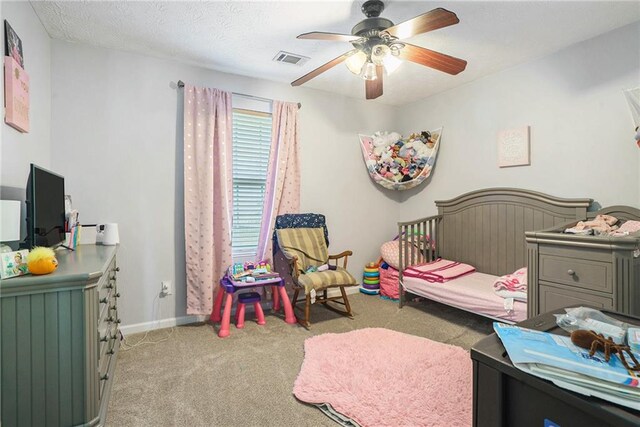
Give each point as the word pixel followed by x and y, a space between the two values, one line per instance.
pixel 207 193
pixel 283 173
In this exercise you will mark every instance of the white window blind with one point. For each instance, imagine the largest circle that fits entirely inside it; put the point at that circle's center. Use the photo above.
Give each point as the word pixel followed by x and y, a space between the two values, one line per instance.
pixel 251 146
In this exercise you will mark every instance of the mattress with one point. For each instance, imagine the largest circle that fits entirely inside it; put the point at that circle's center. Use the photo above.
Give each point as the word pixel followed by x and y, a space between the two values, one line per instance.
pixel 472 292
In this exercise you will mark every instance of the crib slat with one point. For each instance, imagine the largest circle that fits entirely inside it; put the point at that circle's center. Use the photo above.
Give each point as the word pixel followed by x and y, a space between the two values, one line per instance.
pixel 423 246
pixel 413 246
pixel 430 240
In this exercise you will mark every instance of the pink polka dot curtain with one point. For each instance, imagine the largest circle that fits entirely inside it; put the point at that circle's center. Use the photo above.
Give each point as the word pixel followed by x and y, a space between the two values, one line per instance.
pixel 207 193
pixel 282 194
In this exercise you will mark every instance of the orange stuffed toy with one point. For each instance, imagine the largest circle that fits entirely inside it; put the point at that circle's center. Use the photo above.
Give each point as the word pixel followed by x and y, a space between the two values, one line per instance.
pixel 42 261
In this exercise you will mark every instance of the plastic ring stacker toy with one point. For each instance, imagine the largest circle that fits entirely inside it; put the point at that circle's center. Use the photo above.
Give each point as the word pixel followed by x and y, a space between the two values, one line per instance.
pixel 371 270
pixel 371 282
pixel 371 287
pixel 365 274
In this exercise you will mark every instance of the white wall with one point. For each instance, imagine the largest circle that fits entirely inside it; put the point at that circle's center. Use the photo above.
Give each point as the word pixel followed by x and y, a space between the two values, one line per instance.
pixel 19 149
pixel 581 131
pixel 117 133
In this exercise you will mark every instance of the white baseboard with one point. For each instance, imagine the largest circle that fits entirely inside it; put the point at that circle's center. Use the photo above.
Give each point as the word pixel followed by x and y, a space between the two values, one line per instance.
pixel 160 324
pixel 185 320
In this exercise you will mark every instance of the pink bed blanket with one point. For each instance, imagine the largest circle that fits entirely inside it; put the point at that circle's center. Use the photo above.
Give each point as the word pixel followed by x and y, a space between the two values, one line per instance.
pixel 389 283
pixel 440 270
pixel 516 282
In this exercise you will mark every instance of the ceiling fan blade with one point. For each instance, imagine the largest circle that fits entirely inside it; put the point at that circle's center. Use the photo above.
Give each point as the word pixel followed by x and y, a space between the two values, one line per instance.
pixel 432 59
pixel 321 69
pixel 319 35
pixel 373 88
pixel 432 20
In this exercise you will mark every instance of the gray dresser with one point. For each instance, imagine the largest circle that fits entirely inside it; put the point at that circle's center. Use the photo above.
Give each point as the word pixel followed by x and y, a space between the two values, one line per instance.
pixel 59 338
pixel 599 271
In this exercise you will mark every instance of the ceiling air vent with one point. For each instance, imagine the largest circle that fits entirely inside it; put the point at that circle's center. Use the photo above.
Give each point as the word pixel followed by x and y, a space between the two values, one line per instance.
pixel 290 58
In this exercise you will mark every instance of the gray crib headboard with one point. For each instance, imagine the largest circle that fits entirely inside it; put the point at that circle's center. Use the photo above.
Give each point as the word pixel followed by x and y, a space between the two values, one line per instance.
pixel 485 228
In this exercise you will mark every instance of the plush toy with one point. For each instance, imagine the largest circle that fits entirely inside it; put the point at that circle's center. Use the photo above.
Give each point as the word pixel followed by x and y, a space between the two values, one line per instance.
pixel 382 140
pixel 42 261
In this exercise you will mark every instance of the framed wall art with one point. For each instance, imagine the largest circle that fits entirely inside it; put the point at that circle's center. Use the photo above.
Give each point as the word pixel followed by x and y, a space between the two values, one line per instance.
pixel 513 147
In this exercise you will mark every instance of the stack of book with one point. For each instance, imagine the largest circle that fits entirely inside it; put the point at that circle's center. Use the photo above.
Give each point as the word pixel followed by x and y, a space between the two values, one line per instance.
pixel 555 358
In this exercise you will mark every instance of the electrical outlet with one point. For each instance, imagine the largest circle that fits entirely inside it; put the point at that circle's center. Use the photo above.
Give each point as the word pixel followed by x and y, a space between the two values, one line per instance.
pixel 166 287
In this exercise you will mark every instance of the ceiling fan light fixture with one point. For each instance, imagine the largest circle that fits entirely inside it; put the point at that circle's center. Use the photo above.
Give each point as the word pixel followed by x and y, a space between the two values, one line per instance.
pixel 379 52
pixel 369 71
pixel 391 63
pixel 355 62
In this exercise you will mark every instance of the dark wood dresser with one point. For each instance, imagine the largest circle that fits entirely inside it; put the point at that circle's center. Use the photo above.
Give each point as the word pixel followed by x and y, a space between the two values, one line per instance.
pixel 504 396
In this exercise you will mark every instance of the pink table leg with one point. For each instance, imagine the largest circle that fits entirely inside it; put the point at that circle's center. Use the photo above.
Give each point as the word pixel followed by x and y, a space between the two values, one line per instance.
pixel 276 298
pixel 226 317
pixel 289 317
pixel 217 305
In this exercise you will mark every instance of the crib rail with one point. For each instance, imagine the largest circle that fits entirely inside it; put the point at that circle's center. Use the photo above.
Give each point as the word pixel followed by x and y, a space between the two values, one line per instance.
pixel 418 241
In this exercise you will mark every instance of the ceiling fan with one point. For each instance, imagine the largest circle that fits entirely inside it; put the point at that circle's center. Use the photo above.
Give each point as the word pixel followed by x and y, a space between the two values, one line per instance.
pixel 377 46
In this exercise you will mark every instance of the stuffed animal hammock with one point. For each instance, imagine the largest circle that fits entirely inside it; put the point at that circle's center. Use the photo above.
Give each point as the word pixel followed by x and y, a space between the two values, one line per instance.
pixel 398 163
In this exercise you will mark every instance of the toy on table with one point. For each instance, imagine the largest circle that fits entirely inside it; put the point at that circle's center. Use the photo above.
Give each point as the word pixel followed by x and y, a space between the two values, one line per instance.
pixel 371 279
pixel 250 272
pixel 42 261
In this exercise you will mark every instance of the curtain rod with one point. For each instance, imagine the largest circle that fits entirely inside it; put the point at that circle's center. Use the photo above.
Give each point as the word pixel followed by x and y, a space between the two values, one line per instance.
pixel 181 84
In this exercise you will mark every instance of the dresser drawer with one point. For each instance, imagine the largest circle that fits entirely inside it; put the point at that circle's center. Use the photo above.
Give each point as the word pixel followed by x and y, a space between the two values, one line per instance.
pixel 582 273
pixel 552 298
pixel 580 253
pixel 104 301
pixel 104 373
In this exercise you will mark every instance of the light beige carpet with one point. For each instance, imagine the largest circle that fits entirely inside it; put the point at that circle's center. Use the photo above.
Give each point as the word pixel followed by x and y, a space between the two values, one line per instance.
pixel 197 379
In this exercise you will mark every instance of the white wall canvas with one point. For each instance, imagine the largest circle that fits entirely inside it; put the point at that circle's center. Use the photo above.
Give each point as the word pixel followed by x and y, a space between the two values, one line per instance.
pixel 513 147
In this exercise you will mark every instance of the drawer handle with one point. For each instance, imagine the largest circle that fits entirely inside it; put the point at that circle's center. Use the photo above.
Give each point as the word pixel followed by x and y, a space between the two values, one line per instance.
pixel 118 295
pixel 118 320
pixel 104 300
pixel 110 285
pixel 110 319
pixel 571 272
pixel 104 338
pixel 104 377
pixel 117 269
pixel 110 351
pixel 113 307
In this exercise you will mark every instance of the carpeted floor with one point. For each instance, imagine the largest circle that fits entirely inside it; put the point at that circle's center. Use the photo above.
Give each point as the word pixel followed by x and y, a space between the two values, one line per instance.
pixel 197 379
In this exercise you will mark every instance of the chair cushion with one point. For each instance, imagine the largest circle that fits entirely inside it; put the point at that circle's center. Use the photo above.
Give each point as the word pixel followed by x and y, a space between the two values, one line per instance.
pixel 325 279
pixel 307 244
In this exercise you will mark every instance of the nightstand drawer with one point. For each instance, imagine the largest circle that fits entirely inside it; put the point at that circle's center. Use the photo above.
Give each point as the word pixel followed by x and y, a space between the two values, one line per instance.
pixel 582 273
pixel 552 298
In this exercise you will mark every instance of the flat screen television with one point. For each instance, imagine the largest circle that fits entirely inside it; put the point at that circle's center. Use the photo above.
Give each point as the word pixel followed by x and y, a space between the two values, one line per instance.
pixel 45 208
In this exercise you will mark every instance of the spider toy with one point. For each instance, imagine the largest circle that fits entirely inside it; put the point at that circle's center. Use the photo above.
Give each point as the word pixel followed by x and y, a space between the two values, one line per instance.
pixel 593 342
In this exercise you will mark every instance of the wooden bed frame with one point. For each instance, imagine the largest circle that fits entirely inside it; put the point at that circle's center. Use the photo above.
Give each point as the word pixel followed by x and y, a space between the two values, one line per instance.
pixel 484 228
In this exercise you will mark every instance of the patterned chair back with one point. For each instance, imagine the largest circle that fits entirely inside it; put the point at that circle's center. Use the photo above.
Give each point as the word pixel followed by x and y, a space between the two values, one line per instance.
pixel 305 220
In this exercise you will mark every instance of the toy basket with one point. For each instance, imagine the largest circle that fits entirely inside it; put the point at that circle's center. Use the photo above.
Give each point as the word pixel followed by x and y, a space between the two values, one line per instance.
pixel 401 164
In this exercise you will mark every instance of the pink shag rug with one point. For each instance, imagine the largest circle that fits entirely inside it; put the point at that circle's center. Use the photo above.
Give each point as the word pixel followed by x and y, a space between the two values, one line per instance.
pixel 379 377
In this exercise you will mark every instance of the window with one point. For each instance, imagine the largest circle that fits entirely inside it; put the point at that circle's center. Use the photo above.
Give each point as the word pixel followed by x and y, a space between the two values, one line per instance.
pixel 251 146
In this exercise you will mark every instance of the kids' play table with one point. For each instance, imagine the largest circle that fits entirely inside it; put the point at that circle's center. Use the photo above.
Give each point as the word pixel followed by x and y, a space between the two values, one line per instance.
pixel 229 287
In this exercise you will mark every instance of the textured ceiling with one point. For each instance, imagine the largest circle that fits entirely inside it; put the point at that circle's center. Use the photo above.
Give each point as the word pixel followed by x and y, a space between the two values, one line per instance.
pixel 242 37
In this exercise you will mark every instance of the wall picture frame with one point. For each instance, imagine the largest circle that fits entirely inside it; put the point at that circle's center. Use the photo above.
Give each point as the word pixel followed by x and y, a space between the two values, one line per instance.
pixel 13 44
pixel 13 264
pixel 514 147
pixel 16 95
